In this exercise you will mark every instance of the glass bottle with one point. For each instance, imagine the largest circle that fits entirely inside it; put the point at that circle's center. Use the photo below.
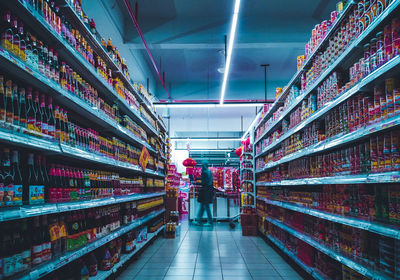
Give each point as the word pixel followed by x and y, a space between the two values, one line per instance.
pixel 22 108
pixel 17 179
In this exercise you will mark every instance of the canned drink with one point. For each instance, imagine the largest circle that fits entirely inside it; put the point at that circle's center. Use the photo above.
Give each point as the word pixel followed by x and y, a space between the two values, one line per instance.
pixel 396 101
pixel 396 36
pixel 387 38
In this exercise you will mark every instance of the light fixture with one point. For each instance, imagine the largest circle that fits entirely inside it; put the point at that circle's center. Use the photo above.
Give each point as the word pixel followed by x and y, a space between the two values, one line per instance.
pixel 205 150
pixel 230 46
pixel 251 126
pixel 205 139
pixel 205 105
pixel 221 68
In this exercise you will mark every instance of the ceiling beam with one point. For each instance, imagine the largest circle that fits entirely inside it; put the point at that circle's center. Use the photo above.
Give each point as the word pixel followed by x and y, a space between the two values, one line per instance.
pixel 216 46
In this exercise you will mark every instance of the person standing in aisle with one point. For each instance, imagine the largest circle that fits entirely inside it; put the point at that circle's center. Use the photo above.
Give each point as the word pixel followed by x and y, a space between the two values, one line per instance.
pixel 206 195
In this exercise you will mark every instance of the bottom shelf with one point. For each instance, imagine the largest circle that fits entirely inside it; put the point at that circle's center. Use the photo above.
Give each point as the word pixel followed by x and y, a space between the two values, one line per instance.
pixel 102 275
pixel 68 257
pixel 313 272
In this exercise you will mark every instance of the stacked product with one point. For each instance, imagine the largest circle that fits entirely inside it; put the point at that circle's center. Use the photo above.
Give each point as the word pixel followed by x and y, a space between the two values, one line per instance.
pixel 329 142
pixel 73 127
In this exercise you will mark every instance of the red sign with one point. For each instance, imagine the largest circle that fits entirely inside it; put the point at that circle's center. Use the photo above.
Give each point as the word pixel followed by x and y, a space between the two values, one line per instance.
pixel 144 158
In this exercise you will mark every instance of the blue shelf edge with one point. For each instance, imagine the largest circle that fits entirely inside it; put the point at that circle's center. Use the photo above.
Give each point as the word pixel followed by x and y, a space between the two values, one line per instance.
pixel 381 229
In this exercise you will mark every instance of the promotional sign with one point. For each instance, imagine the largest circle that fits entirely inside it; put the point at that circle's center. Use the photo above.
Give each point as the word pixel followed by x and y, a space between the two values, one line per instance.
pixel 144 158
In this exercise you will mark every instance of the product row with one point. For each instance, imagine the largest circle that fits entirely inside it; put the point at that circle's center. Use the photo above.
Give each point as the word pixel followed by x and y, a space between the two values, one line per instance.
pixel 308 255
pixel 68 30
pixel 359 111
pixel 381 255
pixel 380 202
pixel 29 242
pixel 380 50
pixel 28 178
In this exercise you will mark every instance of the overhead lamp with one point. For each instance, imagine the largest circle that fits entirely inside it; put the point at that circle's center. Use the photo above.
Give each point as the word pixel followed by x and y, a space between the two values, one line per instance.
pixel 205 139
pixel 209 105
pixel 251 126
pixel 205 150
pixel 230 46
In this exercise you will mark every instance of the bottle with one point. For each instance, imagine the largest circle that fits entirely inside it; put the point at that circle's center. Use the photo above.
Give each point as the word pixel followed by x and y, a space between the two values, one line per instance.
pixel 46 245
pixel 17 248
pixel 84 271
pixel 56 68
pixel 31 184
pixel 2 100
pixel 16 38
pixel 8 196
pixel 57 120
pixel 50 118
pixel 30 111
pixel 43 112
pixel 40 179
pixel 92 262
pixel 22 108
pixel 7 34
pixel 17 179
pixel 26 246
pixel 37 242
pixel 38 112
pixel 8 252
pixel 9 103
pixel 16 105
pixel 63 76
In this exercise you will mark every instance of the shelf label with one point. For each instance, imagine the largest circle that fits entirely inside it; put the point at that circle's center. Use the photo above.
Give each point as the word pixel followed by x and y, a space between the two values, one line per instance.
pixel 144 158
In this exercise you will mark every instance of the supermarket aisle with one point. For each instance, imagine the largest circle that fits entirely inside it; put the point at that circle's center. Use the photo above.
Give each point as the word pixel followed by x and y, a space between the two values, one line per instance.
pixel 204 253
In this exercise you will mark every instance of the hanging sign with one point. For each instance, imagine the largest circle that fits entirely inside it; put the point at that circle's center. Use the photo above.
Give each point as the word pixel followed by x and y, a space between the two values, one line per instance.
pixel 144 158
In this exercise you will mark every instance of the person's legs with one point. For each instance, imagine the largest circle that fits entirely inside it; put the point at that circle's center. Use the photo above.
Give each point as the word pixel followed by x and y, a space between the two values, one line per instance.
pixel 199 215
pixel 209 216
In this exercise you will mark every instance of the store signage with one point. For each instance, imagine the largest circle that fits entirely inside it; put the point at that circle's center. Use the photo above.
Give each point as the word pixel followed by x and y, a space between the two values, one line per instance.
pixel 144 158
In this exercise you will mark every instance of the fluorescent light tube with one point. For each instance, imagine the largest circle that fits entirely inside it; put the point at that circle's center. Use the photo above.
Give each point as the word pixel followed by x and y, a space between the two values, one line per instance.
pixel 205 139
pixel 202 105
pixel 230 46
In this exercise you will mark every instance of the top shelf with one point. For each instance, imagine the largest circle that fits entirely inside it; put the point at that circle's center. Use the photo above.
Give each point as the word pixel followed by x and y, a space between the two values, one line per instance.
pixel 97 47
pixel 37 22
pixel 297 75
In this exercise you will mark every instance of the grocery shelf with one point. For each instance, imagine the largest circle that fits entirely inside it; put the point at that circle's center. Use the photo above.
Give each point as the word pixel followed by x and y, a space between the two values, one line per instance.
pixel 68 257
pixel 364 270
pixel 102 275
pixel 382 229
pixel 392 6
pixel 336 141
pixel 296 76
pixel 372 178
pixel 311 271
pixel 97 47
pixel 246 168
pixel 27 211
pixel 69 53
pixel 80 106
pixel 333 103
pixel 252 193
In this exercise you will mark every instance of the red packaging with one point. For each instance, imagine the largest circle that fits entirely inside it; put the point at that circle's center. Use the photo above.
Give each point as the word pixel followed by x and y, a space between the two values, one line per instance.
pixel 390 85
pixel 381 158
pixel 387 38
pixel 395 150
pixel 396 36
pixel 378 92
pixel 387 152
pixel 374 154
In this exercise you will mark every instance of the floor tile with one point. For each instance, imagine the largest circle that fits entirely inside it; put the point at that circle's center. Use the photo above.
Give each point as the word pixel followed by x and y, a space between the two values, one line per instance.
pixel 178 277
pixel 263 272
pixel 235 272
pixel 180 271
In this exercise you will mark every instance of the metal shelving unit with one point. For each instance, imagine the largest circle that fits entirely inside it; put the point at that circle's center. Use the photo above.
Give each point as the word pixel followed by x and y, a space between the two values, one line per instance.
pixel 366 83
pixel 43 270
pixel 102 275
pixel 362 269
pixel 28 211
pixel 78 62
pixel 382 229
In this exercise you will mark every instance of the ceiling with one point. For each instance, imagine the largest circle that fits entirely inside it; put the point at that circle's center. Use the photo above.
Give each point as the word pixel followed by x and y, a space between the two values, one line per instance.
pixel 186 39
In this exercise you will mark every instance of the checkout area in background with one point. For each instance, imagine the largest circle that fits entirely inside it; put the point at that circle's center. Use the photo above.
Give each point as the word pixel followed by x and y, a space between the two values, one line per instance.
pixel 226 204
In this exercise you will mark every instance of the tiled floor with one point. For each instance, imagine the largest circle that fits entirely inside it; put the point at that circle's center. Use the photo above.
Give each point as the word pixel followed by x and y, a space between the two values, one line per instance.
pixel 209 253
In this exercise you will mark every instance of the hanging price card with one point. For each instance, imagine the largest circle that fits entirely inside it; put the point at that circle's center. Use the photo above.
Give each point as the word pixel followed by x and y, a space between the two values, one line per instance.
pixel 144 158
